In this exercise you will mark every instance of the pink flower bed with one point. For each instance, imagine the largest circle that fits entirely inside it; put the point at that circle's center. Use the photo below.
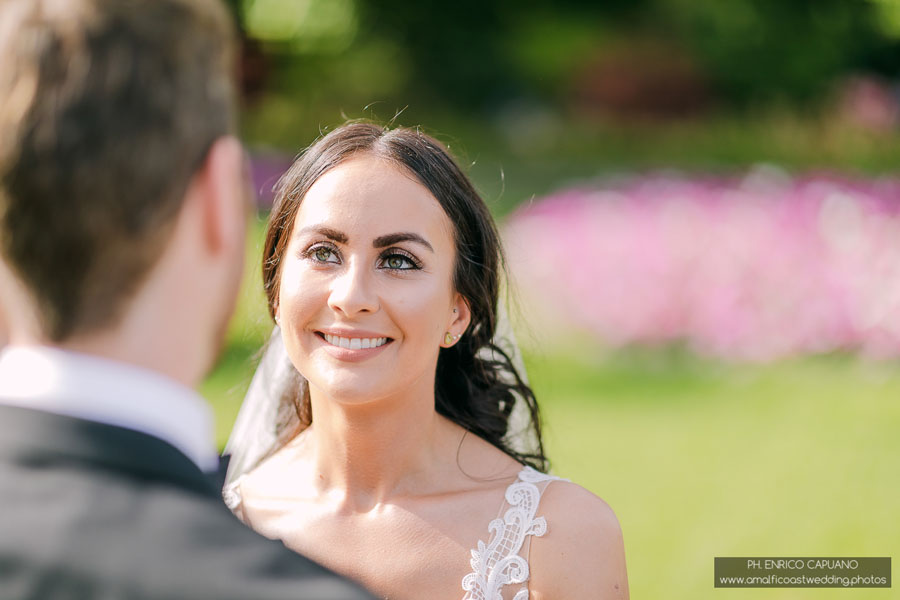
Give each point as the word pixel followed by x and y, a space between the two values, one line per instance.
pixel 755 268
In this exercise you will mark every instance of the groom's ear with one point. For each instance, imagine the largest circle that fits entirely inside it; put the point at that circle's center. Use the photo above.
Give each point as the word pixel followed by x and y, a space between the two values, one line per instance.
pixel 222 188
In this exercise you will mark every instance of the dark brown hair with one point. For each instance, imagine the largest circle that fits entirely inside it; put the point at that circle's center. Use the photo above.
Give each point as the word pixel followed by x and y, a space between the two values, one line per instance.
pixel 109 107
pixel 476 383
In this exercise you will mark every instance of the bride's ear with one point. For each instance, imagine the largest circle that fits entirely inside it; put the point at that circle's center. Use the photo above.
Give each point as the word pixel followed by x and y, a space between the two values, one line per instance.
pixel 460 317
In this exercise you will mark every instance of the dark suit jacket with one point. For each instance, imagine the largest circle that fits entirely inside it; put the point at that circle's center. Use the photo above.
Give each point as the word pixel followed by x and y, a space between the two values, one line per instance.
pixel 93 511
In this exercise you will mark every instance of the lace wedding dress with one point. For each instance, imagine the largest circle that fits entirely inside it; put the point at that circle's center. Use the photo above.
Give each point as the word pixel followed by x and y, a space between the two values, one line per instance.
pixel 503 561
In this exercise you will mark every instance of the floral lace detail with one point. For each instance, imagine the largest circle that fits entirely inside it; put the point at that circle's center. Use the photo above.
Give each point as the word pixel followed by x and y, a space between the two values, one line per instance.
pixel 497 563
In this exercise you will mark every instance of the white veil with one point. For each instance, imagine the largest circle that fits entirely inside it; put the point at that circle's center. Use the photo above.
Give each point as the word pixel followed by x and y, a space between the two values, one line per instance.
pixel 268 419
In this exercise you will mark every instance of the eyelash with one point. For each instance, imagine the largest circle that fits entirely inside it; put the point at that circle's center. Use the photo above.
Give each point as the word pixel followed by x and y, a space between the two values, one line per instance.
pixel 310 254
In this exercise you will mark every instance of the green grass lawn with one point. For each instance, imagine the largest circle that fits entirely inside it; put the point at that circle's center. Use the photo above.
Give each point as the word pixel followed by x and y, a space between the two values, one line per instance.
pixel 698 459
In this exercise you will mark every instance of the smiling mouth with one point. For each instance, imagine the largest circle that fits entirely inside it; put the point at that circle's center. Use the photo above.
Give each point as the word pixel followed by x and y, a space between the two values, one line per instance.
pixel 354 343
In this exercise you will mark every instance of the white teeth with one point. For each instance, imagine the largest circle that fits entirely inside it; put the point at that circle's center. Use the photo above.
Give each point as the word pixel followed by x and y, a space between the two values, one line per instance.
pixel 354 343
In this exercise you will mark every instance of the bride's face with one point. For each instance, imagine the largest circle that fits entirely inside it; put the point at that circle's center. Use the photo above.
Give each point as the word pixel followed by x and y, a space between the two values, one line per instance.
pixel 366 294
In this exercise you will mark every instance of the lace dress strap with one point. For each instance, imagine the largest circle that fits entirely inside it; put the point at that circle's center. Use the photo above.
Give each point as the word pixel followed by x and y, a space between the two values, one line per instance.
pixel 499 562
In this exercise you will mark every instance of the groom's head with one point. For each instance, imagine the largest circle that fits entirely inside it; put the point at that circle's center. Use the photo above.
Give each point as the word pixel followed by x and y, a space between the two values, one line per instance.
pixel 114 116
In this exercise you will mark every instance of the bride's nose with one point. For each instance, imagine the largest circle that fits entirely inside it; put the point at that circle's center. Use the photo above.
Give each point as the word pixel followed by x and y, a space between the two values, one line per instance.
pixel 352 291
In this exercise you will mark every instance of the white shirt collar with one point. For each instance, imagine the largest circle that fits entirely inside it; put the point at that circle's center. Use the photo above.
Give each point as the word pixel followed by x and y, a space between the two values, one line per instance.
pixel 110 392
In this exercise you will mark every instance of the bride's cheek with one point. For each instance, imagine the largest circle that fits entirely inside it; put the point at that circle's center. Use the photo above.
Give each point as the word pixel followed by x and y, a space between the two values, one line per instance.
pixel 423 315
pixel 299 295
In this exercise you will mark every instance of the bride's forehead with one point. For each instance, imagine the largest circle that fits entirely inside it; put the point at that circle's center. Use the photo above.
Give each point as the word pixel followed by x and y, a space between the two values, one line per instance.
pixel 367 176
pixel 370 189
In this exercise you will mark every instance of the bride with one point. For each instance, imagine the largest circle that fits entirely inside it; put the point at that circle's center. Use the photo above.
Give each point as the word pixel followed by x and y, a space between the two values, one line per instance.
pixel 399 445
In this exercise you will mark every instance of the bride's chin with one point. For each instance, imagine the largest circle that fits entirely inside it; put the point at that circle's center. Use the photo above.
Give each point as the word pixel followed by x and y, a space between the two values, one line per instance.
pixel 347 393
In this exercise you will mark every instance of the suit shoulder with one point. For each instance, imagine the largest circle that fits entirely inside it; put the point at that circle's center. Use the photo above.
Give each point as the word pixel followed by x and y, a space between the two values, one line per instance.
pixel 243 563
pixel 125 537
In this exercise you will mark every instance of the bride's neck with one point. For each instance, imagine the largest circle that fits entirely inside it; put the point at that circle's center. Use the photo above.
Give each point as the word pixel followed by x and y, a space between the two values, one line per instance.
pixel 368 453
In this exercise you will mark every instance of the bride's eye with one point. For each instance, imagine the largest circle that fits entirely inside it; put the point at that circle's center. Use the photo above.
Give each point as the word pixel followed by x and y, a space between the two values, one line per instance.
pixel 322 253
pixel 399 261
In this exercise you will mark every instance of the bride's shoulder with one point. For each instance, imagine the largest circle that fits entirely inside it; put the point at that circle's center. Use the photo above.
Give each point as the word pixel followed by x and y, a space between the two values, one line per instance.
pixel 582 554
pixel 572 509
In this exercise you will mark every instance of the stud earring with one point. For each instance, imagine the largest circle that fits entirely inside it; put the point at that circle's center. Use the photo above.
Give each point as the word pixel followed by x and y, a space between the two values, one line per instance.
pixel 277 320
pixel 449 338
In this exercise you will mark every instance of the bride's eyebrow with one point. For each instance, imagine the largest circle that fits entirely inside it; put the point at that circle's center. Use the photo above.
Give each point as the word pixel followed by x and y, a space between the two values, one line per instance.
pixel 332 234
pixel 393 238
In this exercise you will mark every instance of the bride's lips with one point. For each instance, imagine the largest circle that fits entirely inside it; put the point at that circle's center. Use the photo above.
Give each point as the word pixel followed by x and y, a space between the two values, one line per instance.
pixel 352 346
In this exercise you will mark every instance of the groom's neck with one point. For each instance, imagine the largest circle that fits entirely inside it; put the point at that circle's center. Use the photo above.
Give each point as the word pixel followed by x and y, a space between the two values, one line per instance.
pixel 160 332
pixel 171 324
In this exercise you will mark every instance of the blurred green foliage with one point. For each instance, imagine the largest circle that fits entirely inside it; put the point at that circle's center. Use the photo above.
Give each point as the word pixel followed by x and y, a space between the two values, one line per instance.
pixel 481 54
pixel 770 49
pixel 531 95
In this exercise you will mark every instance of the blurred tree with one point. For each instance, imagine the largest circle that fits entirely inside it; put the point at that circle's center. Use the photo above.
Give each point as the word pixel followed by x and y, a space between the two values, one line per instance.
pixel 453 47
pixel 771 49
pixel 474 57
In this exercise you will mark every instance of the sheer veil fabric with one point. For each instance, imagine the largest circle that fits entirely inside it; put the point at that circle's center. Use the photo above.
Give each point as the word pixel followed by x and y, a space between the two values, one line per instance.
pixel 268 419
